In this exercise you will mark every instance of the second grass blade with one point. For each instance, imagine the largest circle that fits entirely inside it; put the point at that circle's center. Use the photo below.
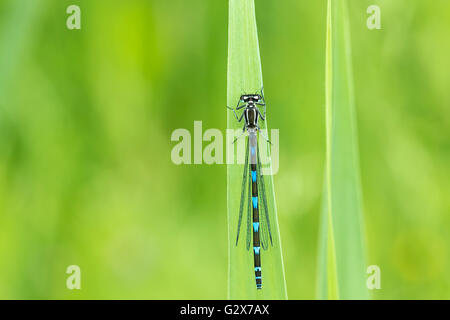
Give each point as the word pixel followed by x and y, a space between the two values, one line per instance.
pixel 342 256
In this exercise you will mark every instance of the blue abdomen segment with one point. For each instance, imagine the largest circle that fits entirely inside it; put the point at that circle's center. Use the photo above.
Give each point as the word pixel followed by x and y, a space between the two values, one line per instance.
pixel 255 202
pixel 253 176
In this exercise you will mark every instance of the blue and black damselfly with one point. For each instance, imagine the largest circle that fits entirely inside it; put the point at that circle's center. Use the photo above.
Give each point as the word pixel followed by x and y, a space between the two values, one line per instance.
pixel 253 191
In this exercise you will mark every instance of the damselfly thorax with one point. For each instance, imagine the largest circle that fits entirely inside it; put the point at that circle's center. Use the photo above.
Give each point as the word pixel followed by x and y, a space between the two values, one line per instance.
pixel 251 115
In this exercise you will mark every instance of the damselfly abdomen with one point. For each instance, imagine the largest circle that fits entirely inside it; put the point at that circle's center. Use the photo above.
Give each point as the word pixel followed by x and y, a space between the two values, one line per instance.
pixel 253 188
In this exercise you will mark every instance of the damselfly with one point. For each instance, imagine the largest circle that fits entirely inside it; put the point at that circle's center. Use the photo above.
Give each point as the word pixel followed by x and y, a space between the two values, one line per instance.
pixel 253 191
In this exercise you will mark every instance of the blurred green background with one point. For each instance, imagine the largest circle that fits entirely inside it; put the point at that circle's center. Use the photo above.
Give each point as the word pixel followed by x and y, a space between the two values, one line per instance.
pixel 86 118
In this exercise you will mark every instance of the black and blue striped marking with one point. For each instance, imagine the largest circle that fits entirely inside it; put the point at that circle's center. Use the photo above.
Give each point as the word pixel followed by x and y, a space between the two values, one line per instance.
pixel 258 225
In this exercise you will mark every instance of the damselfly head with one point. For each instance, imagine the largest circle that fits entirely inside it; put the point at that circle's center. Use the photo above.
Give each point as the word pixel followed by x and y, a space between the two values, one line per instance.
pixel 246 98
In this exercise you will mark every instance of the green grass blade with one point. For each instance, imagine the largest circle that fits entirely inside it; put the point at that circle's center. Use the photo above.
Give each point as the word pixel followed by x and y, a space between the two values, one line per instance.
pixel 245 75
pixel 342 238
